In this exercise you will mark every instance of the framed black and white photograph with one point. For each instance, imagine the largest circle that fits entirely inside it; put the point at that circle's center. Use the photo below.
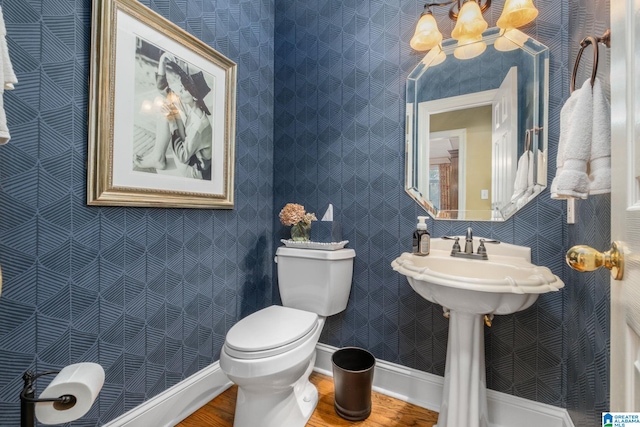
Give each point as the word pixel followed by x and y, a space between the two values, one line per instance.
pixel 161 113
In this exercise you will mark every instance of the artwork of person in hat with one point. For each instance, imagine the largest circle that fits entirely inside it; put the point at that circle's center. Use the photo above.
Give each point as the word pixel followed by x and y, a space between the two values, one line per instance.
pixel 184 124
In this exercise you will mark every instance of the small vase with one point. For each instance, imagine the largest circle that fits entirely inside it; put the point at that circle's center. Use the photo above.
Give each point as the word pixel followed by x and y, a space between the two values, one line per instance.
pixel 300 232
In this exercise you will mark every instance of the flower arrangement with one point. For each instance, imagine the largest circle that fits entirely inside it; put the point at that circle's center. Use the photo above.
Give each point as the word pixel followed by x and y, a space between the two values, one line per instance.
pixel 298 219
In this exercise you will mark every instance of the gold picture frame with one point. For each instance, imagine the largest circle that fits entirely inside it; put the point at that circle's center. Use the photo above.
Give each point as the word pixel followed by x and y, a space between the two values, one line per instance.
pixel 162 113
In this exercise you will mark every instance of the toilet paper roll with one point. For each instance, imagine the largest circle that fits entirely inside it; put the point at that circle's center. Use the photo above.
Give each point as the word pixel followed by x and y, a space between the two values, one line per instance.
pixel 81 380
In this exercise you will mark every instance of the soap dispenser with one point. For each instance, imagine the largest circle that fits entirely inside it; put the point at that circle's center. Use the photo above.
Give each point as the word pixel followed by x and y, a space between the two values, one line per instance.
pixel 421 238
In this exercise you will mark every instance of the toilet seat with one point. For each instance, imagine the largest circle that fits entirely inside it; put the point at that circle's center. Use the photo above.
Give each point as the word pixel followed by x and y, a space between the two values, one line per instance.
pixel 269 332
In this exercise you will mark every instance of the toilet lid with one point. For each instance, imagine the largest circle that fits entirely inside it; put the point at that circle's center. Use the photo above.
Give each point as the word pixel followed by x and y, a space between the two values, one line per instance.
pixel 270 328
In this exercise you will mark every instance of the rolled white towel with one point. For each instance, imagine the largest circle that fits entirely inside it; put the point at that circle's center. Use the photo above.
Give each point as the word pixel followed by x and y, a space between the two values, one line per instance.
pixel 600 161
pixel 574 148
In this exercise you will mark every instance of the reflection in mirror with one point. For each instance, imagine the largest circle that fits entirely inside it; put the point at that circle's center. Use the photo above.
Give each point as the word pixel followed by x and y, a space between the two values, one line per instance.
pixel 476 145
pixel 465 168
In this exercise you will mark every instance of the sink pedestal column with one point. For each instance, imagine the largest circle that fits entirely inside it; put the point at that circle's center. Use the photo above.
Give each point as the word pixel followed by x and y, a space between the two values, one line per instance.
pixel 464 397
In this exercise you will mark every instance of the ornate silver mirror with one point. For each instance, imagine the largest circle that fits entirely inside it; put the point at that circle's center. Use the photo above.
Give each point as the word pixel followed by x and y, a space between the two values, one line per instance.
pixel 476 128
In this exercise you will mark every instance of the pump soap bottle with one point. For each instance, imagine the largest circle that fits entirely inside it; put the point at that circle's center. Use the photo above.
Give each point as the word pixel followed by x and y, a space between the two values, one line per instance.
pixel 421 238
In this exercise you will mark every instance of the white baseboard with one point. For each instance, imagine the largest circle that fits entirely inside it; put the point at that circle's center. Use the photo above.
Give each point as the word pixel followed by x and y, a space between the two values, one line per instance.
pixel 425 390
pixel 407 384
pixel 178 402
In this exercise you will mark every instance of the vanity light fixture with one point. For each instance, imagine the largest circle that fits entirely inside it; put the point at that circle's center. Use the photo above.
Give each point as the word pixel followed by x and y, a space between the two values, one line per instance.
pixel 427 36
pixel 517 13
pixel 470 24
pixel 468 31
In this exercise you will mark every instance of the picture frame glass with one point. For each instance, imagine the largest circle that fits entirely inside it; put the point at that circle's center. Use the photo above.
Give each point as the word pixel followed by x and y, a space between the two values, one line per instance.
pixel 140 130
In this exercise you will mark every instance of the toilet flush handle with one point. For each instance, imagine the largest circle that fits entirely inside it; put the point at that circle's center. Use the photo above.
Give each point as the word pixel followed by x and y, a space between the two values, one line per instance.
pixel 275 259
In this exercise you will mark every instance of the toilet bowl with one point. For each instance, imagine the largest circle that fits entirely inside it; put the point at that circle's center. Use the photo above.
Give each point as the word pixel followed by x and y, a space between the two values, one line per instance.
pixel 271 353
pixel 273 383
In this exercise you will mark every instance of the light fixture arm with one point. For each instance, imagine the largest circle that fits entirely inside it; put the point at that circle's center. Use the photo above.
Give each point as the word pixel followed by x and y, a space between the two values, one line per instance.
pixel 455 8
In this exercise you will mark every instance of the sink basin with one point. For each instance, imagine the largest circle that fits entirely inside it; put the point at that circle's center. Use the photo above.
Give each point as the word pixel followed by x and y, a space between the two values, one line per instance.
pixel 469 289
pixel 505 283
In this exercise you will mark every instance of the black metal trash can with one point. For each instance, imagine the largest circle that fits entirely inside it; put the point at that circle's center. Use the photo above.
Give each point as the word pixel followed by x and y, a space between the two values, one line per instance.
pixel 352 380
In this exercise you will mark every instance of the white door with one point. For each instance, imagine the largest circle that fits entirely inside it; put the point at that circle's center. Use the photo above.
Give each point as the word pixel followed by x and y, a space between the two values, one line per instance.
pixel 504 152
pixel 625 203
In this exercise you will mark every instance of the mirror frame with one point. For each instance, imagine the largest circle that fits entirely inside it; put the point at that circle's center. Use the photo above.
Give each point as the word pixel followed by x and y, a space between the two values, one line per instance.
pixel 538 116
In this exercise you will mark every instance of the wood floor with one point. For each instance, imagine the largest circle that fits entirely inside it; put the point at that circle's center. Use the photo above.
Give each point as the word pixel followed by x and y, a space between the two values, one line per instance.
pixel 386 411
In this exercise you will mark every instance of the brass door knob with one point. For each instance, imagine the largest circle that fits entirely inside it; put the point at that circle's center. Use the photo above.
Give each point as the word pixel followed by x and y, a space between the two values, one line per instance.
pixel 585 258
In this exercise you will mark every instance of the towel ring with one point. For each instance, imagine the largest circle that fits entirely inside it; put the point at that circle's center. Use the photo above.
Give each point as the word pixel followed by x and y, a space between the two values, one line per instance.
pixel 590 40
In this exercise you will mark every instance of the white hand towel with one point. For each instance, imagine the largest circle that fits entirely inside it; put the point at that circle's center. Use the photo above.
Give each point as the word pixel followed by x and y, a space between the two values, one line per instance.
pixel 530 182
pixel 7 79
pixel 522 172
pixel 574 148
pixel 9 76
pixel 565 119
pixel 600 162
pixel 541 171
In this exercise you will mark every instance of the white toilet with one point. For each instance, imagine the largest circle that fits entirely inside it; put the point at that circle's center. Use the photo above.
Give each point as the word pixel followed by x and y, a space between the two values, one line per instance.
pixel 271 353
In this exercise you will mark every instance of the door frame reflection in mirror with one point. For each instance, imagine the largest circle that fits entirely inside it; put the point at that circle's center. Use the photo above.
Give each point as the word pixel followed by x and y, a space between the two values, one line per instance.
pixel 430 108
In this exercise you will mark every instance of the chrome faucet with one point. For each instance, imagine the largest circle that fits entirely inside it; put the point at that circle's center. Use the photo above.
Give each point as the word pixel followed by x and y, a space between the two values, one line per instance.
pixel 468 246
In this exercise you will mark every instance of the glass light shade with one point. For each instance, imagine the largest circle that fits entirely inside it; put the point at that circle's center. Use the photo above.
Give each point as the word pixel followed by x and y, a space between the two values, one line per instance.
pixel 427 36
pixel 470 22
pixel 517 13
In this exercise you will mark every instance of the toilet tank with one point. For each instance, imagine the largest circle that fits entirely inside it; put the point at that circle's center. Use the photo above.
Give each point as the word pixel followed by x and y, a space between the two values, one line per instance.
pixel 315 280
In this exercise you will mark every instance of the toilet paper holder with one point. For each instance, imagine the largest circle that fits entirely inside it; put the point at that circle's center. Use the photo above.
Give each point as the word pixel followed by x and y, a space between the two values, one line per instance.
pixel 28 400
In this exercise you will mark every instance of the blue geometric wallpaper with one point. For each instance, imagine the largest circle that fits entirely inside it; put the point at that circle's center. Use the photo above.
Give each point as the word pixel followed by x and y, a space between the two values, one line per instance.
pixel 340 71
pixel 147 293
pixel 150 293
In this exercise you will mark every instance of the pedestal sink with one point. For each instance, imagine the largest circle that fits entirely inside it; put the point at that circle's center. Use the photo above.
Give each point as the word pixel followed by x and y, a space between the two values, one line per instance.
pixel 469 289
